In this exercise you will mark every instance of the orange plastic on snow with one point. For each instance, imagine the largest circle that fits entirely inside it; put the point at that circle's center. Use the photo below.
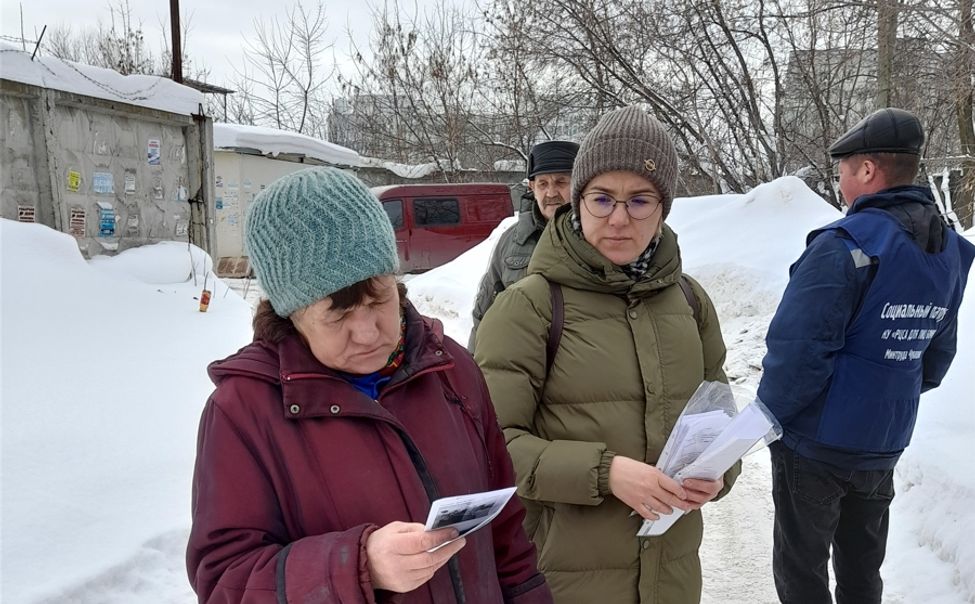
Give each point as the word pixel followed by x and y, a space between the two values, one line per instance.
pixel 205 300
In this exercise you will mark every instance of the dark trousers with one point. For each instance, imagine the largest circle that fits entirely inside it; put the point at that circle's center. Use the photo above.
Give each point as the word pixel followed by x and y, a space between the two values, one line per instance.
pixel 818 506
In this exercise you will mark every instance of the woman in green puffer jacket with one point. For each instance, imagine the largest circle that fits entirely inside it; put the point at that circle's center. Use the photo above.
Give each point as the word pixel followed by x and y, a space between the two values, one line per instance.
pixel 585 432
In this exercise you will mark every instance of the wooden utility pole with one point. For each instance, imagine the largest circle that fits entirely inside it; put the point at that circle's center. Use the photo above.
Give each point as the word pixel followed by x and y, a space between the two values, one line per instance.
pixel 177 73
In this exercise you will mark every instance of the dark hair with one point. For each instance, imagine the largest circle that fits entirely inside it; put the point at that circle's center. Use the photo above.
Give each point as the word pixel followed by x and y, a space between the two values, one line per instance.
pixel 270 327
pixel 898 168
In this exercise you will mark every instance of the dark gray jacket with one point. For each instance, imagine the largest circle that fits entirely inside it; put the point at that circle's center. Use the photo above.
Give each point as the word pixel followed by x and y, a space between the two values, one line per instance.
pixel 509 261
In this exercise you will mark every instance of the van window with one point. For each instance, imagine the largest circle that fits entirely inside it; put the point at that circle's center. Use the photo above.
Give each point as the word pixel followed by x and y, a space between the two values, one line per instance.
pixel 432 212
pixel 394 209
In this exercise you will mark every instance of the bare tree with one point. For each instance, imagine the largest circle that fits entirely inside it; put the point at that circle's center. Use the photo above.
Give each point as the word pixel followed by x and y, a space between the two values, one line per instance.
pixel 119 45
pixel 530 100
pixel 706 69
pixel 413 91
pixel 283 82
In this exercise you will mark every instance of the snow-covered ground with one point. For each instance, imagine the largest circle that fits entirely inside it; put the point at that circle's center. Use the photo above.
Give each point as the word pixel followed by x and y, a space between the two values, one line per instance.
pixel 103 381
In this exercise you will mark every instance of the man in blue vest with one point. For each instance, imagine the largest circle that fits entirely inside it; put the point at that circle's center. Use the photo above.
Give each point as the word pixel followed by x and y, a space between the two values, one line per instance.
pixel 867 323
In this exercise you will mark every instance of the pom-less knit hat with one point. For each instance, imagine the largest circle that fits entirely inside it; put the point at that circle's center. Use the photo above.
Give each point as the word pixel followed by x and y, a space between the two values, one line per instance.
pixel 314 232
pixel 627 139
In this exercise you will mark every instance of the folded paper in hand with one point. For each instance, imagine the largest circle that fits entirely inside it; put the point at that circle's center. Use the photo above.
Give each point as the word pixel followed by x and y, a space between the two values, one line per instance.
pixel 707 444
pixel 466 513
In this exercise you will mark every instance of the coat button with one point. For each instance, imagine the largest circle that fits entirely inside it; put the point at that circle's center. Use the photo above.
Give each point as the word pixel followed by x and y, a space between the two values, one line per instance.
pixel 646 544
pixel 633 314
pixel 335 409
pixel 295 409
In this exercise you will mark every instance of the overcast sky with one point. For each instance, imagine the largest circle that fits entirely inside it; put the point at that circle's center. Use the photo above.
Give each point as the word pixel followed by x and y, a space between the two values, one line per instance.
pixel 219 28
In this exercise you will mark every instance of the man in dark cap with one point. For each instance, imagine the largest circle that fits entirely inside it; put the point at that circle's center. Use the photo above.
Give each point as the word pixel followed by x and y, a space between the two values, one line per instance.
pixel 867 323
pixel 549 185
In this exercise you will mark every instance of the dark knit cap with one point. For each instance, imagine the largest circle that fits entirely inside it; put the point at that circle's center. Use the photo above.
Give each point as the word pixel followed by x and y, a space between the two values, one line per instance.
pixel 887 130
pixel 627 139
pixel 551 157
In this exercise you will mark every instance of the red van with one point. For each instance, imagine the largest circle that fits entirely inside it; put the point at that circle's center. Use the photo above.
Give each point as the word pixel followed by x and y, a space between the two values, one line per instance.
pixel 435 223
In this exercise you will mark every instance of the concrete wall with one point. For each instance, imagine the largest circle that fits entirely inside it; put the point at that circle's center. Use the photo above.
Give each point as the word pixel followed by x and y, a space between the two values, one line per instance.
pixel 113 175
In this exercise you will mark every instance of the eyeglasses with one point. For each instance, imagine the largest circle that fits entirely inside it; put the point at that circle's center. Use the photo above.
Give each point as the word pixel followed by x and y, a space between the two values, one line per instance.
pixel 602 205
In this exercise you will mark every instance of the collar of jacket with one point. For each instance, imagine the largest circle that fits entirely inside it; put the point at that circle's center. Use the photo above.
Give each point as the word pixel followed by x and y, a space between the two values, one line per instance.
pixel 914 209
pixel 892 197
pixel 530 223
pixel 291 364
pixel 564 257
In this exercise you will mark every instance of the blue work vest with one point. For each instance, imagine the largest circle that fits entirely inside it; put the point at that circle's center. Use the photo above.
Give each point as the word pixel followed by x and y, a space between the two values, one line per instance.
pixel 872 400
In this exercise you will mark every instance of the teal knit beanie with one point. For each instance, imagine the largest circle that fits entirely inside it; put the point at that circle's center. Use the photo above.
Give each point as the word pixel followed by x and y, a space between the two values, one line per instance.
pixel 314 232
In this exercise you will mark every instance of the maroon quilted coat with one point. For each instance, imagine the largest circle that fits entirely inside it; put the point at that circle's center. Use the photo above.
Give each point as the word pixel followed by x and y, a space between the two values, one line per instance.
pixel 295 468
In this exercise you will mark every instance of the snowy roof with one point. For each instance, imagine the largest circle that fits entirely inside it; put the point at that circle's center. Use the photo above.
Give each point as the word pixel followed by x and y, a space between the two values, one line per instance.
pixel 154 92
pixel 413 171
pixel 271 141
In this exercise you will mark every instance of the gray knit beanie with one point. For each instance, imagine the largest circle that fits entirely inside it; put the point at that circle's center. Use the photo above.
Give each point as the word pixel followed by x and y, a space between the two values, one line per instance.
pixel 314 232
pixel 627 139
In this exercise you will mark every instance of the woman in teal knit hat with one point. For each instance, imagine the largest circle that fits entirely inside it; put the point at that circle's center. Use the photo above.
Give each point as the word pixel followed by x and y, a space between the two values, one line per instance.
pixel 329 436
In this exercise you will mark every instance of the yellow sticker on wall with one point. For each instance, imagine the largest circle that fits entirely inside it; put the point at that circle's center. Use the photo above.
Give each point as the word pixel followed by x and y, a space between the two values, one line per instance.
pixel 74 180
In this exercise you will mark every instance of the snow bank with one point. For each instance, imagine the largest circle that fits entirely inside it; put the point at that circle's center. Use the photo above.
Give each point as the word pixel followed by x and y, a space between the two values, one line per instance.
pixel 273 142
pixel 762 231
pixel 153 92
pixel 103 384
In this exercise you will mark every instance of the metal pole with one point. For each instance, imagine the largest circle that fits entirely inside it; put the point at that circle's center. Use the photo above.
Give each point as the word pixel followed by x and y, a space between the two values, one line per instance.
pixel 177 74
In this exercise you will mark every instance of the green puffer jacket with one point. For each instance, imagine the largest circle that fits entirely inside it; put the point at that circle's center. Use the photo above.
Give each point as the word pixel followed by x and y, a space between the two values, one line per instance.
pixel 630 357
pixel 509 261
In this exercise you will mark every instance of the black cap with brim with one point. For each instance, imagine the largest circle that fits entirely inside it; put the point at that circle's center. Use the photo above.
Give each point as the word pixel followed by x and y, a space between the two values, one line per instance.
pixel 887 130
pixel 551 157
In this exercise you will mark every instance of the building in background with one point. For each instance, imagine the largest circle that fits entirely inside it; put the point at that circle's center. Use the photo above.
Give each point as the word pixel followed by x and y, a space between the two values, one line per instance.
pixel 248 158
pixel 115 161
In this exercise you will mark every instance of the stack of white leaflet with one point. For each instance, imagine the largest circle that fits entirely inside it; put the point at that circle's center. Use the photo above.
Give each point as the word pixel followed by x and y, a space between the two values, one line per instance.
pixel 691 437
pixel 705 444
pixel 740 435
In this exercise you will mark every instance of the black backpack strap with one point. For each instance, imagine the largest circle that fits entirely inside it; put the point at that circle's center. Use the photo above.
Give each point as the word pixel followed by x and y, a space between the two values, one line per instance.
pixel 692 301
pixel 555 329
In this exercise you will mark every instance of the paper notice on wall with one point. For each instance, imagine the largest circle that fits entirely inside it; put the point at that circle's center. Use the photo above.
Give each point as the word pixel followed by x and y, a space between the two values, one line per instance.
pixel 74 181
pixel 178 154
pixel 106 220
pixel 154 151
pixel 103 183
pixel 182 194
pixel 157 187
pixel 26 213
pixel 77 223
pixel 129 182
